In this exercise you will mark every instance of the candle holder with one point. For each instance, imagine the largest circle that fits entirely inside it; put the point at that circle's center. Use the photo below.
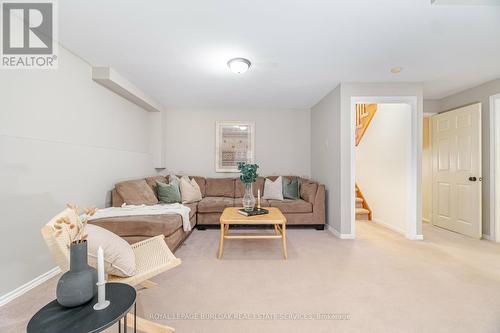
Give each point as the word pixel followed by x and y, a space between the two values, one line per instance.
pixel 102 303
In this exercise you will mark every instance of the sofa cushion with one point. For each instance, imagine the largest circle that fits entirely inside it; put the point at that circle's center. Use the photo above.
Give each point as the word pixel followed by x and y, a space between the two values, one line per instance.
pixel 136 192
pixel 201 183
pixel 141 225
pixel 292 206
pixel 220 187
pixel 168 193
pixel 152 182
pixel 239 187
pixel 214 204
pixel 194 208
pixel 308 190
pixel 263 202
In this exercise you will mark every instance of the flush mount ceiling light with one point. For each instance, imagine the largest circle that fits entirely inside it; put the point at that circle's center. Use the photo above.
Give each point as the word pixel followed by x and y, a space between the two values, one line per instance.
pixel 239 65
pixel 396 70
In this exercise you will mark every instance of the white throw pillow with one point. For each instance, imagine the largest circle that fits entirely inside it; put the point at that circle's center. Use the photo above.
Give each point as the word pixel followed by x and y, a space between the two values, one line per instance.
pixel 273 190
pixel 119 258
pixel 190 190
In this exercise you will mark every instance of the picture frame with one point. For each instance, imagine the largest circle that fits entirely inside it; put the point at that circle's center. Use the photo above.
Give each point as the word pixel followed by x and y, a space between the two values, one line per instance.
pixel 234 142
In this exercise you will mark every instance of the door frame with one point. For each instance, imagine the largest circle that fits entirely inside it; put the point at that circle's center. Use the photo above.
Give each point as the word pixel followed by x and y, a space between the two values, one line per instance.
pixel 415 173
pixel 494 168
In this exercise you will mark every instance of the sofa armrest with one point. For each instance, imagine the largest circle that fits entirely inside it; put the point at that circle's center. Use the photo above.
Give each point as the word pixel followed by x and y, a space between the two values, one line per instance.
pixel 319 206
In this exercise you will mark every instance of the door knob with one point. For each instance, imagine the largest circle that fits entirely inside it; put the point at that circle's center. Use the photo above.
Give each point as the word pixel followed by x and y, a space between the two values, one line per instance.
pixel 472 179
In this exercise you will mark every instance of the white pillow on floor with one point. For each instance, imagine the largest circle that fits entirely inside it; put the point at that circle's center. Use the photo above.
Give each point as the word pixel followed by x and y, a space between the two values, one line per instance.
pixel 273 190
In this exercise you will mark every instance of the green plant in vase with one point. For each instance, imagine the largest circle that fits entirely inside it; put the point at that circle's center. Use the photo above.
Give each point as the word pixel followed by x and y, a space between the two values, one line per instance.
pixel 248 175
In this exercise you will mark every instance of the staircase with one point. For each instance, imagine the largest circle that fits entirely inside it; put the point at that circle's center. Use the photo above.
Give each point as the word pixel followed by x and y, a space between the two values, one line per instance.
pixel 364 116
pixel 363 211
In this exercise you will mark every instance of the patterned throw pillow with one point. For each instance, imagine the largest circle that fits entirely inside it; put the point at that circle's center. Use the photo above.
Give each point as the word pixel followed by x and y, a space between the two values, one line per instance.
pixel 169 193
pixel 291 188
pixel 273 190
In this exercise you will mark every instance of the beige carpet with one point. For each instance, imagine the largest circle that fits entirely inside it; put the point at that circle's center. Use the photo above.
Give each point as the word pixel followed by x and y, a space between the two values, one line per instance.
pixel 447 283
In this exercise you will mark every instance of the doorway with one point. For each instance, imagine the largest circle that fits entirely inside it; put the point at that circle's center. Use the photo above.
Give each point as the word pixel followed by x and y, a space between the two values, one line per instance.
pixel 412 176
pixel 383 166
pixel 456 170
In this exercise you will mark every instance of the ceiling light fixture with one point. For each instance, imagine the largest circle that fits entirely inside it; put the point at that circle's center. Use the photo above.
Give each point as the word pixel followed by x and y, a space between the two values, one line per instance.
pixel 239 65
pixel 396 70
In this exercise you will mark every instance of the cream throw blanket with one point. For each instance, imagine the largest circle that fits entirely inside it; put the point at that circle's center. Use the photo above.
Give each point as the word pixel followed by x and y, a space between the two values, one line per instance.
pixel 134 210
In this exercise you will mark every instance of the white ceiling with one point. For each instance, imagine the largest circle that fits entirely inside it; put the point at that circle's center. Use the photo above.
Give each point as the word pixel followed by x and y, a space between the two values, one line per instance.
pixel 177 51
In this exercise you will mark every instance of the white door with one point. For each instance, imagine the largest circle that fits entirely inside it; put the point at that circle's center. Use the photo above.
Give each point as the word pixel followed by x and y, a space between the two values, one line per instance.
pixel 456 170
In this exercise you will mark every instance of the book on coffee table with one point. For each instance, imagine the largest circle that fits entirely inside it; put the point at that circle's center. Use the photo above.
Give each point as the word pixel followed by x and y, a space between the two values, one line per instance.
pixel 256 211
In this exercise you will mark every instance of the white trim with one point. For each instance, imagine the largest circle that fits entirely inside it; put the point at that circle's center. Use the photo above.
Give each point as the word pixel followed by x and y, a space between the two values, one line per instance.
pixel 338 234
pixel 487 237
pixel 414 195
pixel 494 166
pixel 416 237
pixel 399 231
pixel 390 227
pixel 426 220
pixel 6 298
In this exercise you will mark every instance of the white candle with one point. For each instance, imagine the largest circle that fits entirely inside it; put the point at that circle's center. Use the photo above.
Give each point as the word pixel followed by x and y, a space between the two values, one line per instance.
pixel 258 198
pixel 100 265
pixel 102 303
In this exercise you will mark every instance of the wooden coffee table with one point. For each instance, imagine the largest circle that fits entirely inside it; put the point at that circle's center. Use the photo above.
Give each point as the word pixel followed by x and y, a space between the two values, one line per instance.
pixel 230 216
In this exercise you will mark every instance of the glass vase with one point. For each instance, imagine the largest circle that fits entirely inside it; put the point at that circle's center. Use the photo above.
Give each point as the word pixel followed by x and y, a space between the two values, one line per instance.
pixel 248 198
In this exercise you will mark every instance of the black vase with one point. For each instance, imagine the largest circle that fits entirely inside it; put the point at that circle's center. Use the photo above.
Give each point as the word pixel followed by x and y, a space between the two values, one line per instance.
pixel 78 285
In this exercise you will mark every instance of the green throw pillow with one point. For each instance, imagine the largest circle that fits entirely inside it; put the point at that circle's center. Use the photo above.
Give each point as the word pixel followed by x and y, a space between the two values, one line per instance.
pixel 291 188
pixel 169 193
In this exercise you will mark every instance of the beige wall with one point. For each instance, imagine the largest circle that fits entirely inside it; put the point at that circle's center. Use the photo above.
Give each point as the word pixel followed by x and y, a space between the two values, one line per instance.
pixel 325 152
pixel 426 171
pixel 282 140
pixel 383 165
pixel 63 138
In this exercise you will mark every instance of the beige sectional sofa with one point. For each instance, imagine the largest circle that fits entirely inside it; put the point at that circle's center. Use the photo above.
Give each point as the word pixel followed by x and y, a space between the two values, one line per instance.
pixel 217 193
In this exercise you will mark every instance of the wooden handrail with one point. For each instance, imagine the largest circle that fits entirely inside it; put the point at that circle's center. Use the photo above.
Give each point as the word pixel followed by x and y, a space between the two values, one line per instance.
pixel 364 116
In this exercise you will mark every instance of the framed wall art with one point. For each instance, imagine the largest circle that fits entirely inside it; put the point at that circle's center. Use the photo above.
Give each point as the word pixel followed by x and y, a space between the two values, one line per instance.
pixel 234 143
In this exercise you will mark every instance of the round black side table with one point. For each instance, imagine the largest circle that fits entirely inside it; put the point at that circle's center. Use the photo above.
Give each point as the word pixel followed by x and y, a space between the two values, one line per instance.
pixel 53 318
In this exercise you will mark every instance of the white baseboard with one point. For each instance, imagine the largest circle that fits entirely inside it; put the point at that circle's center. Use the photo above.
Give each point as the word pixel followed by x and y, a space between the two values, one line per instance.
pixel 388 226
pixel 6 298
pixel 338 234
pixel 487 237
pixel 399 231
pixel 415 237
